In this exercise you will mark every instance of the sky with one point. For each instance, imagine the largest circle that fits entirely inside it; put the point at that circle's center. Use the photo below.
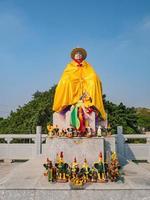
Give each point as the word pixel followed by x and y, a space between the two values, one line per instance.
pixel 37 36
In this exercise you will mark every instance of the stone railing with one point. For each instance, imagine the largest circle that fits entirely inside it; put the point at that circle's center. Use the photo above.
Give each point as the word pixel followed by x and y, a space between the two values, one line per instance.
pixel 133 151
pixel 35 145
pixel 21 151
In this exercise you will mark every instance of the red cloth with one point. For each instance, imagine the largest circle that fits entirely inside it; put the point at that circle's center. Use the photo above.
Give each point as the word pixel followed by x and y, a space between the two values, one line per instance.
pixel 78 61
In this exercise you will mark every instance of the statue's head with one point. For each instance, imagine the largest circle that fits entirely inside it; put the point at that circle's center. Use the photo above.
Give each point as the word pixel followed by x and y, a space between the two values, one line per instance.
pixel 78 54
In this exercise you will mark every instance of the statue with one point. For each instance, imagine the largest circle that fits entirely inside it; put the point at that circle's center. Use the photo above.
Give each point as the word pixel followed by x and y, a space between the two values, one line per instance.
pixel 50 170
pixel 93 175
pixel 62 169
pixel 100 168
pixel 114 167
pixel 79 89
pixel 85 170
pixel 74 169
pixel 99 131
pixel 50 130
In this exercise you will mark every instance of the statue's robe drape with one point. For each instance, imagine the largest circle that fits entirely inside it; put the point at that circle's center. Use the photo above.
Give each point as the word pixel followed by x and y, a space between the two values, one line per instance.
pixel 75 81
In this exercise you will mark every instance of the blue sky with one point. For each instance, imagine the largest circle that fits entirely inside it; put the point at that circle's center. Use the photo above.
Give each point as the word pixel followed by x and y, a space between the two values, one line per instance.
pixel 36 37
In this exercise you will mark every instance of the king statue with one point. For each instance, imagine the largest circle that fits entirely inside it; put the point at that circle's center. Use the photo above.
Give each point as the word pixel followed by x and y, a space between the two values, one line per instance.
pixel 79 91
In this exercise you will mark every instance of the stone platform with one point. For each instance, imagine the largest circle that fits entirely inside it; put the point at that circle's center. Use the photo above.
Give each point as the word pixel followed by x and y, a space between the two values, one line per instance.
pixel 26 181
pixel 80 148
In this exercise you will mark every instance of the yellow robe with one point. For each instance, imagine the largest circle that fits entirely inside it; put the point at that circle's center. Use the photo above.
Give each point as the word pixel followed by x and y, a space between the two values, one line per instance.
pixel 74 82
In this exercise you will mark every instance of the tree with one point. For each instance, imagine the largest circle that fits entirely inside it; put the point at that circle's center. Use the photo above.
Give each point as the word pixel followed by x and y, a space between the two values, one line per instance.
pixel 38 111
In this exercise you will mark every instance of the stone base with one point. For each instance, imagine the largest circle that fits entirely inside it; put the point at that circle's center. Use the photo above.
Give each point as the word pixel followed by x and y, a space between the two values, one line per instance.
pixel 80 148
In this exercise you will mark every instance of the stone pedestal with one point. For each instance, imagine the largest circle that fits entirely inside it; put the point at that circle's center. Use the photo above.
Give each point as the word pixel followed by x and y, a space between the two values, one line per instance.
pixel 80 148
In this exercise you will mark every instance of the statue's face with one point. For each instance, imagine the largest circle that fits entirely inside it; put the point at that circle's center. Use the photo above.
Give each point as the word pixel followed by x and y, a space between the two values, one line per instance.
pixel 78 56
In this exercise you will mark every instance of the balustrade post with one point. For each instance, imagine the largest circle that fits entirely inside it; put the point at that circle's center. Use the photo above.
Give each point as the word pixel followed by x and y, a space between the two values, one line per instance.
pixel 148 142
pixel 120 141
pixel 38 140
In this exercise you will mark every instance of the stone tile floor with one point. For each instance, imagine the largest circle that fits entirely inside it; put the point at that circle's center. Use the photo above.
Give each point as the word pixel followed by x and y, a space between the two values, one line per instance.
pixel 136 176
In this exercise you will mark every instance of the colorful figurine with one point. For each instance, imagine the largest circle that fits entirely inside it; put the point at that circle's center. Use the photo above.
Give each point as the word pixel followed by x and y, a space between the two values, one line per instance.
pixel 69 132
pixel 46 166
pixel 62 169
pixel 100 168
pixel 93 175
pixel 85 171
pixel 51 172
pixel 74 169
pixel 50 130
pixel 114 166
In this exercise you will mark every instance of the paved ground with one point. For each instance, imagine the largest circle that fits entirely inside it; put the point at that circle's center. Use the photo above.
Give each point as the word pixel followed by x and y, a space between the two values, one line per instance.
pixel 26 181
pixel 30 175
pixel 6 168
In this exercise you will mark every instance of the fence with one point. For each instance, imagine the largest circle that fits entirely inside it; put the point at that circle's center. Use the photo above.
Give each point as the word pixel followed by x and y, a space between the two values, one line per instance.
pixel 35 146
pixel 132 151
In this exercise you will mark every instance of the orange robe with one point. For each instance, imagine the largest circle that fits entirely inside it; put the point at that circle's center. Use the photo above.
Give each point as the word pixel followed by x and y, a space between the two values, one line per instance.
pixel 75 81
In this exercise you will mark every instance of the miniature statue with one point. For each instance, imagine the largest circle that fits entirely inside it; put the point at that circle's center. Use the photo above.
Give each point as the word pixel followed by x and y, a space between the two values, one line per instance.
pixel 46 166
pixel 50 130
pixel 56 130
pixel 113 169
pixel 51 172
pixel 85 171
pixel 89 132
pixel 75 134
pixel 74 168
pixel 99 131
pixel 62 169
pixel 100 168
pixel 109 130
pixel 93 175
pixel 69 132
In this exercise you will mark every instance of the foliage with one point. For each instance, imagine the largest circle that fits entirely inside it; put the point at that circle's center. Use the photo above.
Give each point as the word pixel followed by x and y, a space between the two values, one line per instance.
pixel 120 115
pixel 39 112
pixel 143 115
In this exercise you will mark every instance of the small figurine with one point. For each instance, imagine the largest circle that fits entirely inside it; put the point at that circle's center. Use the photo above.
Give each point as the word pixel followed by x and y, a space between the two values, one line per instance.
pixel 46 166
pixel 56 130
pixel 75 134
pixel 85 171
pixel 69 132
pixel 62 169
pixel 99 131
pixel 100 168
pixel 109 130
pixel 50 130
pixel 93 175
pixel 74 168
pixel 113 169
pixel 89 132
pixel 51 172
